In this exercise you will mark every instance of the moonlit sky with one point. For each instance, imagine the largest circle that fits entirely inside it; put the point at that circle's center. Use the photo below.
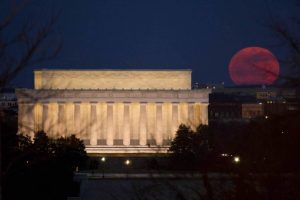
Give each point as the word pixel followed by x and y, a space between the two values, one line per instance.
pixel 201 35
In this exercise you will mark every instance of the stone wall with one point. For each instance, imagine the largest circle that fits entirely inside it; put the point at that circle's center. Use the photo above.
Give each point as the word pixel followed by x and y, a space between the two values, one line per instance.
pixel 113 79
pixel 112 121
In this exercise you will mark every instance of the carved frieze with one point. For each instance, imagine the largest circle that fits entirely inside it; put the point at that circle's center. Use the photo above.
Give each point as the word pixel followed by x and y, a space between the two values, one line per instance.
pixel 114 95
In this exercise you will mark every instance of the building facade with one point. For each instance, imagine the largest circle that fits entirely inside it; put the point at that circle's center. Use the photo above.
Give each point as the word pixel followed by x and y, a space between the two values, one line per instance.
pixel 112 111
pixel 242 104
pixel 8 99
pixel 8 103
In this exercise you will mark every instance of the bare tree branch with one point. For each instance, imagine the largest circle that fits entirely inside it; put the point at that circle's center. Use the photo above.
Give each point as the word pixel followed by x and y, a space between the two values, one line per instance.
pixel 32 41
pixel 290 40
pixel 15 10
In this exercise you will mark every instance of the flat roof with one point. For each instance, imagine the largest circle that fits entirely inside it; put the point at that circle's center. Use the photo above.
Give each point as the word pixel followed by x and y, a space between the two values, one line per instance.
pixel 45 69
pixel 113 79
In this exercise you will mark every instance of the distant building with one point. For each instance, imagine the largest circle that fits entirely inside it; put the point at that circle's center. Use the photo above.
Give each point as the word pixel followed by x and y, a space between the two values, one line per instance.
pixel 198 85
pixel 113 111
pixel 252 110
pixel 245 103
pixel 8 100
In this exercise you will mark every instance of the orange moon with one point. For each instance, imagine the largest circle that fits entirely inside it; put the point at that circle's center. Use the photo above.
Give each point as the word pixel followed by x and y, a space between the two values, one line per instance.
pixel 254 66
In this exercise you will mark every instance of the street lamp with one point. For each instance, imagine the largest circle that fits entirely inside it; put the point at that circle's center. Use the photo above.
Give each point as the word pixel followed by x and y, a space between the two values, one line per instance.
pixel 236 159
pixel 103 159
pixel 127 164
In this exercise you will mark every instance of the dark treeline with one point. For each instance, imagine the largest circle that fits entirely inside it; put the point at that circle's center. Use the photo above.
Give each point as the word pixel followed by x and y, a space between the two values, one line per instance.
pixel 39 168
pixel 260 159
pixel 263 144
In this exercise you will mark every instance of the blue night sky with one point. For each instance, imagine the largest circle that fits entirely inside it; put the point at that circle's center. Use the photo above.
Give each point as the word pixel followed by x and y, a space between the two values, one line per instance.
pixel 201 35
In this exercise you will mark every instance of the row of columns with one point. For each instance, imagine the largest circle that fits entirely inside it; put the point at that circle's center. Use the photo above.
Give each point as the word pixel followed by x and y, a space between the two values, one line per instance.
pixel 109 123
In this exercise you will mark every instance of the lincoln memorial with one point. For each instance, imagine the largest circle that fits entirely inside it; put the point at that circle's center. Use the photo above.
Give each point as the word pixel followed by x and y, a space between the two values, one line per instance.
pixel 112 111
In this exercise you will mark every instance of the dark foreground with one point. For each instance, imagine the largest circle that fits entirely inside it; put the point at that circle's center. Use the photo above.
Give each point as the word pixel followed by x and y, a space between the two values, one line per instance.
pixel 186 186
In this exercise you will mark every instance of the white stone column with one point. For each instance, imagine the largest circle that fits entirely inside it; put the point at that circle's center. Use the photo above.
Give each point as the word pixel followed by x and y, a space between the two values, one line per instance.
pixel 38 114
pixel 29 119
pixel 159 138
pixel 77 121
pixel 102 123
pixel 70 125
pixel 197 114
pixel 110 123
pixel 53 119
pixel 85 122
pixel 174 118
pixel 93 130
pixel 151 123
pixel 191 115
pixel 134 123
pixel 183 113
pixel 164 122
pixel 204 113
pixel 45 117
pixel 61 120
pixel 143 124
pixel 126 124
pixel 169 120
pixel 118 123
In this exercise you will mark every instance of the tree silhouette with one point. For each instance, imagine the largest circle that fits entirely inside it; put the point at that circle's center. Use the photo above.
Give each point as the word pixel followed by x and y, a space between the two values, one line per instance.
pixel 41 167
pixel 287 32
pixel 31 41
pixel 190 149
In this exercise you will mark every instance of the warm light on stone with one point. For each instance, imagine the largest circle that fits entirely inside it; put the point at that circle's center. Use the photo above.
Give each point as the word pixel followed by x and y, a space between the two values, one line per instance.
pixel 113 79
pixel 110 119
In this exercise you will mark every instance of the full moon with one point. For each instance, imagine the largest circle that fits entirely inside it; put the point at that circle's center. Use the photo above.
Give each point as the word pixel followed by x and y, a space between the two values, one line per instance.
pixel 254 66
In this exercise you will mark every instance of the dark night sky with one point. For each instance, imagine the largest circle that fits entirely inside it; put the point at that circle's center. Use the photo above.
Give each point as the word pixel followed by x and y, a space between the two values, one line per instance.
pixel 201 35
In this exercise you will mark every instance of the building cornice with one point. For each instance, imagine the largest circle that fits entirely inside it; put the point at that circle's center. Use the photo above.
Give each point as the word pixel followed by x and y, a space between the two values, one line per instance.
pixel 25 95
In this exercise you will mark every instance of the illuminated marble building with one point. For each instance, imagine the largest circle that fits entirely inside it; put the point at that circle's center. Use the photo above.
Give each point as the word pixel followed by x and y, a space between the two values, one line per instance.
pixel 112 111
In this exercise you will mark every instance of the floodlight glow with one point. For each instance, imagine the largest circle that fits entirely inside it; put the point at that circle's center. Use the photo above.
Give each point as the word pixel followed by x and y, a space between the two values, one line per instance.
pixel 236 159
pixel 127 162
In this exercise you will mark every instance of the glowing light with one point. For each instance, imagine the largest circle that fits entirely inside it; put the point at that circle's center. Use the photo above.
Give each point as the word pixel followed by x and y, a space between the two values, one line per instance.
pixel 127 162
pixel 266 117
pixel 236 159
pixel 103 159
